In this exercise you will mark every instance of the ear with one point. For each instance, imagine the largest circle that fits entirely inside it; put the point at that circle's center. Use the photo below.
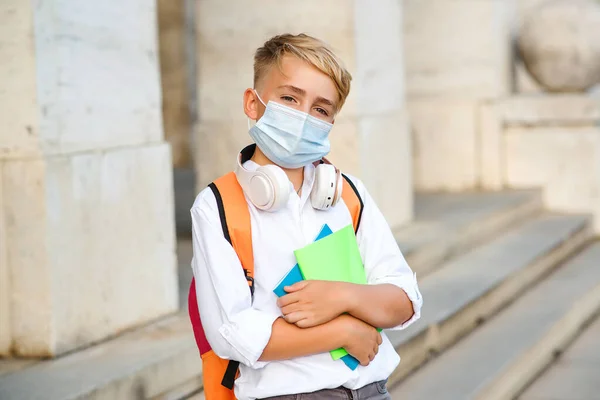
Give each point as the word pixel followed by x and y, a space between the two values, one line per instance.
pixel 251 104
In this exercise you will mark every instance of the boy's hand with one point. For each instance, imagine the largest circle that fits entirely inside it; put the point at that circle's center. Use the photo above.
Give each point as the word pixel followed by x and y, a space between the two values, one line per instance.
pixel 311 303
pixel 361 339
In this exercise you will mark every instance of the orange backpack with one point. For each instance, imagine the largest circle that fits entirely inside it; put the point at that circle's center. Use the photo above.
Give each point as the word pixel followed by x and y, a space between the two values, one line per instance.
pixel 219 374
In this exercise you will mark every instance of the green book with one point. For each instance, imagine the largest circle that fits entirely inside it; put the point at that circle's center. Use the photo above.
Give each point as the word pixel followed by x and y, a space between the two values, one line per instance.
pixel 335 257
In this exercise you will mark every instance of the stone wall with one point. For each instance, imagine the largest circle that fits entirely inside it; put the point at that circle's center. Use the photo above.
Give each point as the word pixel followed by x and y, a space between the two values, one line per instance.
pixel 174 63
pixel 458 54
pixel 550 142
pixel 88 235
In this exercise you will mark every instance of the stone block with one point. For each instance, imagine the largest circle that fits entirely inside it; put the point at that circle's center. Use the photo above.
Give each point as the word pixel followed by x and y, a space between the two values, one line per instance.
pixel 97 70
pixel 379 82
pixel 18 129
pixel 176 93
pixel 91 246
pixel 345 146
pixel 473 60
pixel 5 334
pixel 385 149
pixel 445 143
pixel 565 161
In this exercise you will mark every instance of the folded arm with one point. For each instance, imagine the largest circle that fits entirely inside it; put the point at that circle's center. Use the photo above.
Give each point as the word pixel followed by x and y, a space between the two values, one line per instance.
pixel 234 328
pixel 391 300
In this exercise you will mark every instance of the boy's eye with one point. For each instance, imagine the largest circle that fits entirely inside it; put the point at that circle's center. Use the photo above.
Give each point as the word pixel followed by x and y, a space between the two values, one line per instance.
pixel 288 98
pixel 322 111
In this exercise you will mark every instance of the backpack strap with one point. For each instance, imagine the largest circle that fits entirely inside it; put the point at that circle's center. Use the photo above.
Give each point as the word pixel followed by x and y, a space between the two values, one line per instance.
pixel 235 221
pixel 353 201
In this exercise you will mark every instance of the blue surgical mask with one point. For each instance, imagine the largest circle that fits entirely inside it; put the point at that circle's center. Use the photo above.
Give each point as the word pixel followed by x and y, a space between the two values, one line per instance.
pixel 290 138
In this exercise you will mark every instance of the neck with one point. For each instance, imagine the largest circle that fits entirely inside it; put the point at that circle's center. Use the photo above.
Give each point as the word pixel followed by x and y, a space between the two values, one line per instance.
pixel 296 175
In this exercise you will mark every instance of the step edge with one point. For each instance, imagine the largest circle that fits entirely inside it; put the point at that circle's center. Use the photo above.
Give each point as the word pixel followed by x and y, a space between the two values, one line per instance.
pixel 517 376
pixel 440 335
pixel 427 258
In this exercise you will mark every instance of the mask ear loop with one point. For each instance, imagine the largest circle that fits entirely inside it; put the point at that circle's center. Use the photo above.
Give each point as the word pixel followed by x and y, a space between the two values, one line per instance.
pixel 263 103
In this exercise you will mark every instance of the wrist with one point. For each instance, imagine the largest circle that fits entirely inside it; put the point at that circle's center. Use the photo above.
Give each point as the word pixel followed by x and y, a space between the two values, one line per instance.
pixel 349 297
pixel 342 326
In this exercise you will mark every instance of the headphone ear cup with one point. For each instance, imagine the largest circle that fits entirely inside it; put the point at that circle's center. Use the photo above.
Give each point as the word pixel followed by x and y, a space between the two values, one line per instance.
pixel 280 186
pixel 324 188
pixel 339 188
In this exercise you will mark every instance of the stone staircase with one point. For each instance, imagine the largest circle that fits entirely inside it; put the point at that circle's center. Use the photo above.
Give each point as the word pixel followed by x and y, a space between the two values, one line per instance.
pixel 495 311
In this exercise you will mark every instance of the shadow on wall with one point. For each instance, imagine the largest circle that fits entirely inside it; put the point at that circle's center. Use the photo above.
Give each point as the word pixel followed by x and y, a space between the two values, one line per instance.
pixel 184 182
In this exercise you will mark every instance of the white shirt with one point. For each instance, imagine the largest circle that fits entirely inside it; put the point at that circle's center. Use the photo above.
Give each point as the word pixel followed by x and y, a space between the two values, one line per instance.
pixel 239 327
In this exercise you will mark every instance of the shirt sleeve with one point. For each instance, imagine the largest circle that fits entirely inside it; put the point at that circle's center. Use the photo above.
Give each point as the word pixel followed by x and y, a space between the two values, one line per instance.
pixel 233 327
pixel 383 260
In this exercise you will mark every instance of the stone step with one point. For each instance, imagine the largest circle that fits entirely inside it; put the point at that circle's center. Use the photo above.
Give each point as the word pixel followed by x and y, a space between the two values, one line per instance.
pixel 141 364
pixel 137 363
pixel 574 376
pixel 499 359
pixel 449 224
pixel 471 288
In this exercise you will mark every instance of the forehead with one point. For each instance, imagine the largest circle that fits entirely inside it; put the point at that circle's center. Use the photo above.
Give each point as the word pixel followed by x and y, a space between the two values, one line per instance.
pixel 299 73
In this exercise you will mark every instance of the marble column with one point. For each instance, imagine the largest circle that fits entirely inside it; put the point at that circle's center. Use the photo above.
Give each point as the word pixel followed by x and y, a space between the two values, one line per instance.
pixel 87 244
pixel 371 136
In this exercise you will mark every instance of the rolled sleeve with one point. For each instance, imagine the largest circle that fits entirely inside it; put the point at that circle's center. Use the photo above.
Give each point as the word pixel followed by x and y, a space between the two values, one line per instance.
pixel 248 334
pixel 408 283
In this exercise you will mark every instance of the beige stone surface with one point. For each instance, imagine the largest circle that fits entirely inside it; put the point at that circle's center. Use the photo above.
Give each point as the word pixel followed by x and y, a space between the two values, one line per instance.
pixel 18 127
pixel 445 143
pixel 97 72
pixel 558 43
pixel 174 79
pixel 5 334
pixel 458 48
pixel 385 149
pixel 490 122
pixel 345 146
pixel 91 246
pixel 565 162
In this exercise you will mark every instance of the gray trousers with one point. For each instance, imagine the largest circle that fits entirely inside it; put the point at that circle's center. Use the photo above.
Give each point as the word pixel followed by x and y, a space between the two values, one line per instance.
pixel 374 391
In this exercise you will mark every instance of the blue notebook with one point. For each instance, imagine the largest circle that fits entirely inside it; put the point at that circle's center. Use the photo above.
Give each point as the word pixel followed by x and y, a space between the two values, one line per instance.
pixel 295 275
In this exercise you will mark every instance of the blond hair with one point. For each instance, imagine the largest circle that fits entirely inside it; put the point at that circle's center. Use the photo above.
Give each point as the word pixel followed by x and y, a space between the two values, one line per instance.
pixel 309 49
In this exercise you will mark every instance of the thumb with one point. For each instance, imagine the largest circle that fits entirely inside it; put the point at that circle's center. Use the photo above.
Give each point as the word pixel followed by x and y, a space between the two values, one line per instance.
pixel 296 287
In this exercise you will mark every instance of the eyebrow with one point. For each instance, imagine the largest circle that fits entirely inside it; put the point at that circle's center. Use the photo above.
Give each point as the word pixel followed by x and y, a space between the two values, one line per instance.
pixel 302 92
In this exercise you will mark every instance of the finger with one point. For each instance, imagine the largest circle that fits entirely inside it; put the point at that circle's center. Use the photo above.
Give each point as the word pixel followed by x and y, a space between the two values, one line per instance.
pixel 291 308
pixel 294 317
pixel 371 356
pixel 379 339
pixel 364 361
pixel 296 286
pixel 306 323
pixel 287 300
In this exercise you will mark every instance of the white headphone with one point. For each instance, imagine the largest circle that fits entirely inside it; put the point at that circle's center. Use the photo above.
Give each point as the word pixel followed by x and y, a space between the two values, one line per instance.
pixel 268 188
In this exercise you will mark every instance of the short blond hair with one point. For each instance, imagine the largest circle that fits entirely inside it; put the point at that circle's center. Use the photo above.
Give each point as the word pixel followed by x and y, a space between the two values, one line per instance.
pixel 309 49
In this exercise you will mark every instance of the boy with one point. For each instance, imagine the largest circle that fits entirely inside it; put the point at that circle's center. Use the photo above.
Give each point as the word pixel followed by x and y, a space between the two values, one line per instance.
pixel 282 344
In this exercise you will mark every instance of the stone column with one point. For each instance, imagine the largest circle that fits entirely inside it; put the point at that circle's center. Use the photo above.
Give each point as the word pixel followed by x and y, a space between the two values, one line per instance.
pixel 370 138
pixel 458 56
pixel 86 198
pixel 174 73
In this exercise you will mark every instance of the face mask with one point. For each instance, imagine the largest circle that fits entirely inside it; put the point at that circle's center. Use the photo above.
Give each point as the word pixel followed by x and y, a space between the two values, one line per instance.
pixel 290 138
